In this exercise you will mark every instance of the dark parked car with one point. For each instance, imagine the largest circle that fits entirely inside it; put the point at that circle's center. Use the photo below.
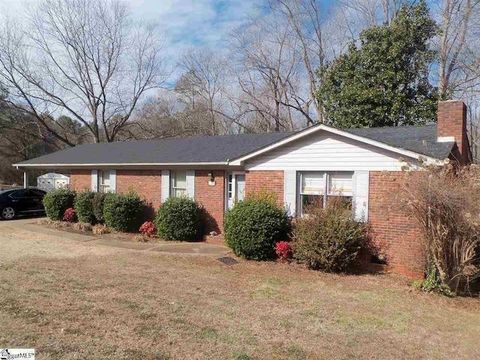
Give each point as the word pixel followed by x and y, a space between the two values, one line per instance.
pixel 16 202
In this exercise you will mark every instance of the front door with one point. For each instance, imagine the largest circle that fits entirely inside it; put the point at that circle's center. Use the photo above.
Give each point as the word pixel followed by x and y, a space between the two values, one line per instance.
pixel 235 188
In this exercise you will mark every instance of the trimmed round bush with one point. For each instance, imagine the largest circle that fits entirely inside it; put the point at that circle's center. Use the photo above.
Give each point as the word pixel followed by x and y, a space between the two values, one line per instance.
pixel 179 219
pixel 97 206
pixel 328 239
pixel 57 201
pixel 253 227
pixel 84 207
pixel 123 212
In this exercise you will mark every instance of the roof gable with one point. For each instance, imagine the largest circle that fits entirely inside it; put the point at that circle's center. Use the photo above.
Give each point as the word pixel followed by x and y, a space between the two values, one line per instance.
pixel 413 142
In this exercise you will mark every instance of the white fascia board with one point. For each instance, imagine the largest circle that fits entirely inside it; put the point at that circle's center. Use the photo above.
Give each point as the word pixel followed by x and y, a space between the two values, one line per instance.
pixel 314 129
pixel 120 164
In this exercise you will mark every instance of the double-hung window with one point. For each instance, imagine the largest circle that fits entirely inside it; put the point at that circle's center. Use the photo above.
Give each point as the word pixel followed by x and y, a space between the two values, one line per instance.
pixel 318 188
pixel 104 181
pixel 178 183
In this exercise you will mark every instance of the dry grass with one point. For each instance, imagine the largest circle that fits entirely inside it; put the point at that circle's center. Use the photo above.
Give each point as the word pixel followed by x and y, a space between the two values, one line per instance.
pixel 125 304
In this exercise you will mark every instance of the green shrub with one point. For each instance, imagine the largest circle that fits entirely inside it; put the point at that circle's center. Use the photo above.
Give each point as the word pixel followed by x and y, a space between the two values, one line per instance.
pixel 328 239
pixel 84 207
pixel 57 201
pixel 97 204
pixel 179 219
pixel 123 212
pixel 253 227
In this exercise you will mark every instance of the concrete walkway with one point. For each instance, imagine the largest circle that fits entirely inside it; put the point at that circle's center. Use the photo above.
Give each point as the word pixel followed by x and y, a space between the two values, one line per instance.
pixel 111 240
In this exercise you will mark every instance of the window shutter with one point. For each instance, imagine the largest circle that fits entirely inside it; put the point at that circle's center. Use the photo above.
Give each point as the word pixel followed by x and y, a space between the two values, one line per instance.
pixel 361 195
pixel 165 194
pixel 290 187
pixel 191 183
pixel 94 178
pixel 113 180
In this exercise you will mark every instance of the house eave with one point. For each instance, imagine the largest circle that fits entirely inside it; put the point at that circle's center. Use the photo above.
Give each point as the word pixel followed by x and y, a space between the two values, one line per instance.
pixel 117 165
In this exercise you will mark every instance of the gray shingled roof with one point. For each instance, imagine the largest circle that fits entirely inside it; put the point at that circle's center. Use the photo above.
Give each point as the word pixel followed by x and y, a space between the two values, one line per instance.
pixel 220 149
pixel 201 149
pixel 419 139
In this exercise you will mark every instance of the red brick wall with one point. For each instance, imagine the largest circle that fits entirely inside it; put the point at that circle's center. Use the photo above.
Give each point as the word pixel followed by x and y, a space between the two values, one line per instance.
pixel 146 183
pixel 452 121
pixel 395 233
pixel 81 180
pixel 270 181
pixel 212 198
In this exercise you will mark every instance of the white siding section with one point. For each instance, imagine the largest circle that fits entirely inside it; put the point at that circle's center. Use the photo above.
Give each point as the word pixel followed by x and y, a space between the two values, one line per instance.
pixel 360 194
pixel 94 179
pixel 327 152
pixel 165 191
pixel 113 181
pixel 191 183
pixel 290 191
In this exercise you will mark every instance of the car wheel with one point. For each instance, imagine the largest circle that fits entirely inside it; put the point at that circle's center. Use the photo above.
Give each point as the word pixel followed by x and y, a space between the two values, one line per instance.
pixel 8 213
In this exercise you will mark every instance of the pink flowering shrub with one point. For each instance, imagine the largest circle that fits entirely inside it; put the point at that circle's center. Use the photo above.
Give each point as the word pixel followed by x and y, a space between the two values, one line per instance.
pixel 283 250
pixel 70 215
pixel 148 228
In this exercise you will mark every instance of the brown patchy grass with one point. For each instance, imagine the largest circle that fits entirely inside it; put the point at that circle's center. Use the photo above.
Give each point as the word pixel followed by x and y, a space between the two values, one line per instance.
pixel 126 304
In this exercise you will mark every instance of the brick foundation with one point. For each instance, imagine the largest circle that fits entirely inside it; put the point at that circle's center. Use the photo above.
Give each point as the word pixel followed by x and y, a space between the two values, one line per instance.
pixel 269 181
pixel 394 233
pixel 212 198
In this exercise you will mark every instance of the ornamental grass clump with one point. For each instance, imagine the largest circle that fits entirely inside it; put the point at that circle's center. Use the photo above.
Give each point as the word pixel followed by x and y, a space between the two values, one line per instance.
pixel 445 201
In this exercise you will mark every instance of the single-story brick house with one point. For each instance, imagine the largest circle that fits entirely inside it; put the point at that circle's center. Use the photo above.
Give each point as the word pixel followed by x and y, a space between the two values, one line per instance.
pixel 362 165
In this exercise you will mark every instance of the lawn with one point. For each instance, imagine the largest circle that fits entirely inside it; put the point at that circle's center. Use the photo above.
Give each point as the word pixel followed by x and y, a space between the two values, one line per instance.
pixel 126 304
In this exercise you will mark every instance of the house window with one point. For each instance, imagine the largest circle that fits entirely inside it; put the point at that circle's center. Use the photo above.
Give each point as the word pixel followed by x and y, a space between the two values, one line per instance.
pixel 319 188
pixel 312 190
pixel 104 181
pixel 178 183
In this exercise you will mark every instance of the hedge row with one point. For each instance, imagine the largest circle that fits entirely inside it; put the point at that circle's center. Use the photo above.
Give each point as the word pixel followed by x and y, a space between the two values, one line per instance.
pixel 177 219
pixel 327 239
pixel 117 211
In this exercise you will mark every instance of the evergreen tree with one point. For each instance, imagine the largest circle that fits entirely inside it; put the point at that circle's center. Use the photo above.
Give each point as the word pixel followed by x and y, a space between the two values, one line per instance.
pixel 384 80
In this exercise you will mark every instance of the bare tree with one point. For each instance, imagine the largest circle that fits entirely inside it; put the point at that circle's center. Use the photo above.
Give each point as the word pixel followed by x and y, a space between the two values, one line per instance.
pixel 304 19
pixel 81 58
pixel 203 86
pixel 266 71
pixel 459 47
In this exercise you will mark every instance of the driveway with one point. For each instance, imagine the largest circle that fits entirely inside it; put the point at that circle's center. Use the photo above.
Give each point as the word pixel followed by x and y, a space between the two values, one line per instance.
pixel 24 238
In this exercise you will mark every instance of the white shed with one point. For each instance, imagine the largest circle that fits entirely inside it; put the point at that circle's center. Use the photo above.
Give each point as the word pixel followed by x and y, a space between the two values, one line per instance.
pixel 52 181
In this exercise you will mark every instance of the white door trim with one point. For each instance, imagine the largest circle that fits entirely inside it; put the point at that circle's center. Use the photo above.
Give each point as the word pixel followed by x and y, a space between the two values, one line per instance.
pixel 234 185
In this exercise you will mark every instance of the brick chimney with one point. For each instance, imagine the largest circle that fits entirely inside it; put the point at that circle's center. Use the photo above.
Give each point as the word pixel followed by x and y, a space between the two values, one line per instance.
pixel 452 126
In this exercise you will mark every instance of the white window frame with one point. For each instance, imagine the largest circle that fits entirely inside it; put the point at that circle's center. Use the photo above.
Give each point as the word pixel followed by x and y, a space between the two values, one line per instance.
pixel 102 187
pixel 326 187
pixel 174 188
